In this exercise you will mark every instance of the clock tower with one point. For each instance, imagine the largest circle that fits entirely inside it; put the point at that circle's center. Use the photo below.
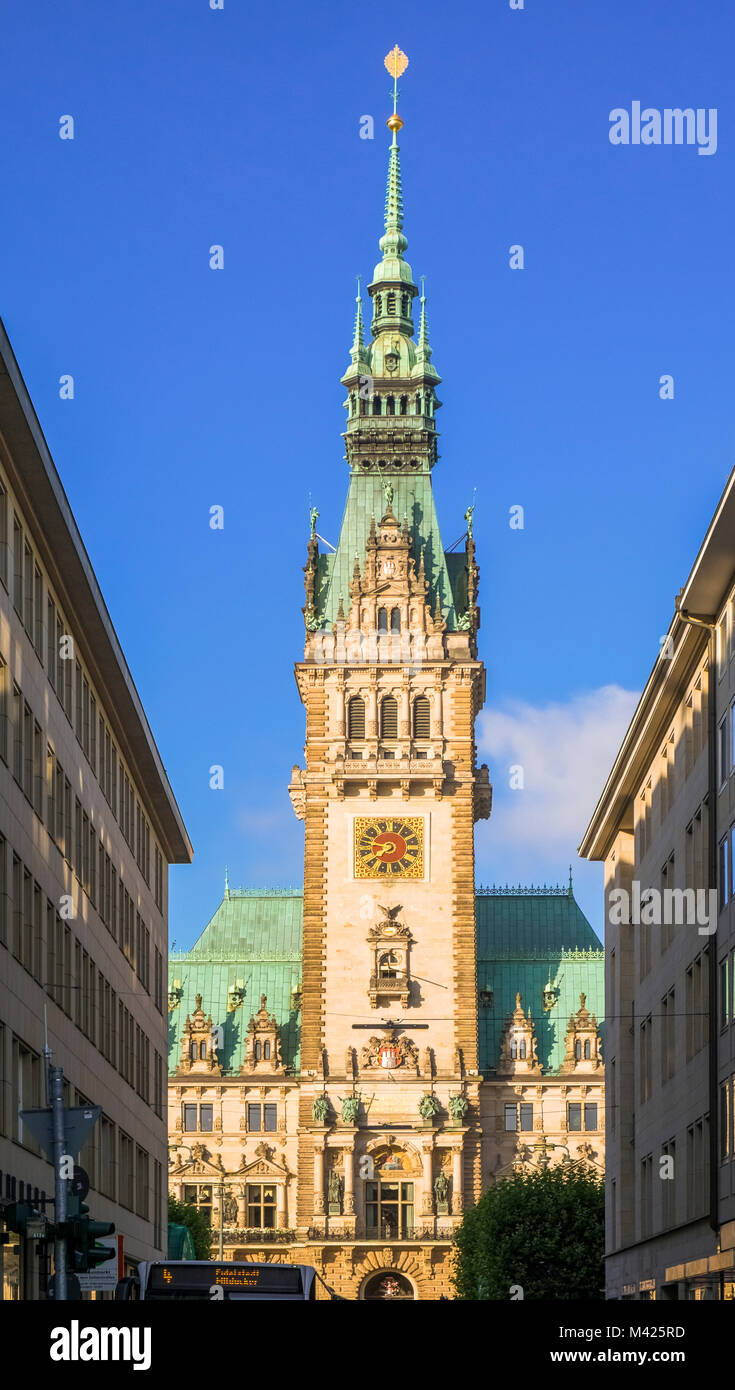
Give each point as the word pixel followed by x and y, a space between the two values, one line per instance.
pixel 389 1133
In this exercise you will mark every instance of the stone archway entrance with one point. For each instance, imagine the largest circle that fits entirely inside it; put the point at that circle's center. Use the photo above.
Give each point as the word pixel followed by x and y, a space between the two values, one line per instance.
pixel 388 1286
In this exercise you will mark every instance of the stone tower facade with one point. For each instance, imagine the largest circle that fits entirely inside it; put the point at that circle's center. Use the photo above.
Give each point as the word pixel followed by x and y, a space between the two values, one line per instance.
pixel 390 791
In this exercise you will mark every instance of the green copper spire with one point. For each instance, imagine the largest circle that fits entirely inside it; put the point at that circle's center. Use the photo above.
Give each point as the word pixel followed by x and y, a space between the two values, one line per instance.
pixel 358 342
pixel 393 243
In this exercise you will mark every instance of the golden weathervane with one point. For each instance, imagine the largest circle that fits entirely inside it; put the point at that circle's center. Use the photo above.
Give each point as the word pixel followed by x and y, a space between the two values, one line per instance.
pixel 396 63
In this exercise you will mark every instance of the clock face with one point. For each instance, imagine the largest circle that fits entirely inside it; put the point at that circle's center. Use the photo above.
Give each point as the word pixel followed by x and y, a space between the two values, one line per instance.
pixel 386 847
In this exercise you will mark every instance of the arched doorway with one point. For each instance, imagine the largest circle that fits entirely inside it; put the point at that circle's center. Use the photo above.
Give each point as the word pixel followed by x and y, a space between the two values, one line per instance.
pixel 388 1285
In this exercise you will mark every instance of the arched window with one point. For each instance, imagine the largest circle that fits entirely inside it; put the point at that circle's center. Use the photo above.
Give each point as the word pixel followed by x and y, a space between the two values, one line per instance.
pixel 202 1052
pixel 405 305
pixel 587 1050
pixel 522 1049
pixel 376 405
pixel 578 1050
pixel 421 717
pixel 395 620
pixel 378 305
pixel 382 620
pixel 391 303
pixel 419 403
pixel 390 406
pixel 258 1051
pixel 389 717
pixel 266 1052
pixel 404 405
pixel 356 717
pixel 352 403
pixel 513 1049
pixel 388 964
pixel 193 1052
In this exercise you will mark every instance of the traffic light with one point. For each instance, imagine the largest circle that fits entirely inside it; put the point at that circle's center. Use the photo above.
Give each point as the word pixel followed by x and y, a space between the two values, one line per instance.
pixel 28 1221
pixel 83 1253
pixel 16 1217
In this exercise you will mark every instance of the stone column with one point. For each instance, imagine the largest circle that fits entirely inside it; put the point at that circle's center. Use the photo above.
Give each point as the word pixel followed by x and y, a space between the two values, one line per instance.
pixel 371 713
pixel 319 1179
pixel 281 1222
pixel 349 1176
pixel 242 1211
pixel 438 723
pixel 338 706
pixel 427 1203
pixel 457 1183
pixel 404 710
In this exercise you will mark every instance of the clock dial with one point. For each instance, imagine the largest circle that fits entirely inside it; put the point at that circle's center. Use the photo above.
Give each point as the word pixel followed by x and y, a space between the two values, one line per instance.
pixel 389 847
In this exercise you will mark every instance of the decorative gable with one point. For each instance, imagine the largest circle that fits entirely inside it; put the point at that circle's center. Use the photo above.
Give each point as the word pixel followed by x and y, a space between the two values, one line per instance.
pixel 262 1048
pixel 519 1048
pixel 198 1048
pixel 582 1041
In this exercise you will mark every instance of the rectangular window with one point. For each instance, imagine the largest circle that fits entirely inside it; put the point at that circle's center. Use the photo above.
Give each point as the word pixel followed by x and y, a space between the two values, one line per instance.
pixel 668 1185
pixel 51 640
pixel 511 1117
pixel 190 1118
pixel 722 645
pixel 612 1100
pixel 3 895
pixel 262 1206
pixel 3 536
pixel 724 993
pixel 668 1036
pixel 723 874
pixel 646 1195
pixel 574 1115
pixel 590 1115
pixel 127 1172
pixel 270 1118
pixel 4 711
pixel 645 1059
pixel 17 565
pixel 206 1118
pixel 254 1118
pixel 724 1122
pixel 526 1116
pixel 37 634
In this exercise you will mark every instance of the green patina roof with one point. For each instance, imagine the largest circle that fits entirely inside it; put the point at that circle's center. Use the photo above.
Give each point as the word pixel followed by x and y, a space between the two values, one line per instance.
pixel 413 498
pixel 525 938
pixel 255 937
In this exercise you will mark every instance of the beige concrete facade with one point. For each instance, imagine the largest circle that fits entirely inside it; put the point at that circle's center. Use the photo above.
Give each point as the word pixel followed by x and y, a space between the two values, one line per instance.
pixel 88 827
pixel 664 822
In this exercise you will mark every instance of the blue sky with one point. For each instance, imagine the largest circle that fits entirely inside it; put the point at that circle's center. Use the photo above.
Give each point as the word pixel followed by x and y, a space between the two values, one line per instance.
pixel 196 387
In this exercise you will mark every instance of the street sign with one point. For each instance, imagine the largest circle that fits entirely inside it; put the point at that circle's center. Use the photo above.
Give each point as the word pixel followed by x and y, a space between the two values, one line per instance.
pixel 107 1275
pixel 79 1121
pixel 36 1227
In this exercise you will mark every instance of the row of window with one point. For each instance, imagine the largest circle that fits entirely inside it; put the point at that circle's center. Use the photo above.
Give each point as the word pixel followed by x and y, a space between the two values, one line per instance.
pixel 519 1115
pixel 261 1119
pixel 72 687
pixel 656 797
pixel 46 947
pixel 49 790
pixel 117 1167
pixel 388 718
pixel 665 1170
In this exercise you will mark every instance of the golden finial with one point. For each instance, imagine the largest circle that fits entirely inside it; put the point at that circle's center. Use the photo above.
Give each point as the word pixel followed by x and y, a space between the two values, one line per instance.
pixel 396 63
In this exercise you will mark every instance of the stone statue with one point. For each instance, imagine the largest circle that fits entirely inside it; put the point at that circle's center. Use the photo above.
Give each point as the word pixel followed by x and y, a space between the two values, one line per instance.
pixel 441 1188
pixel 334 1188
pixel 458 1106
pixel 388 489
pixel 428 1107
pixel 313 518
pixel 320 1108
pixel 468 519
pixel 350 1108
pixel 229 1210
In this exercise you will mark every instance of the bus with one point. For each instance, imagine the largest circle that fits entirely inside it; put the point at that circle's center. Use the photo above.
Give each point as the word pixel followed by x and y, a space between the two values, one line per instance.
pixel 218 1280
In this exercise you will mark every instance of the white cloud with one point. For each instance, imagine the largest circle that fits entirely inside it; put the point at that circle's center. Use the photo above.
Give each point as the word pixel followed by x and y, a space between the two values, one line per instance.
pixel 566 752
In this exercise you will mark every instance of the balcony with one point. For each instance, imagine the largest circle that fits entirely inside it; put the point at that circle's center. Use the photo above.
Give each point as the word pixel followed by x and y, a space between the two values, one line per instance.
pixel 383 988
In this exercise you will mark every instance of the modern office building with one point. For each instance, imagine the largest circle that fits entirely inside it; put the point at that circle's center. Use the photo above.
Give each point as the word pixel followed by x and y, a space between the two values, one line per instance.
pixel 664 829
pixel 88 828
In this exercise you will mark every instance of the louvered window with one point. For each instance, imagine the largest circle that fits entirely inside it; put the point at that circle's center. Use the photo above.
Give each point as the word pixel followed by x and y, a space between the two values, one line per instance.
pixel 389 718
pixel 356 718
pixel 421 717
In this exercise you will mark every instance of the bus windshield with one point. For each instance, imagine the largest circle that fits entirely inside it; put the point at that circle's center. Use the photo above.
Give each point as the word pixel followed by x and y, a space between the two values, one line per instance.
pixel 220 1280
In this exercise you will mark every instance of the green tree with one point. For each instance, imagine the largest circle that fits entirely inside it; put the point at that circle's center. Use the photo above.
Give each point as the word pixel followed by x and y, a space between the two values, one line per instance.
pixel 184 1214
pixel 543 1230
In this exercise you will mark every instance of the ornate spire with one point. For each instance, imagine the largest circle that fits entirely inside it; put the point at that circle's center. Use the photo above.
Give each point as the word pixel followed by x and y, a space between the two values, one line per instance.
pixel 424 350
pixel 357 351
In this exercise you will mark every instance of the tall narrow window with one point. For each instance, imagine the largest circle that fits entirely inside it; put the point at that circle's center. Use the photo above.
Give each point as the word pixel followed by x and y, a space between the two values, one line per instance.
pixel 389 718
pixel 356 718
pixel 382 620
pixel 421 717
pixel 395 620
